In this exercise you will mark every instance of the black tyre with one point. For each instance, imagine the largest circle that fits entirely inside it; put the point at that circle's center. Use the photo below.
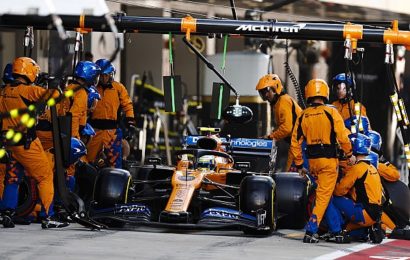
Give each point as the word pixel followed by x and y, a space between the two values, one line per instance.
pixel 86 175
pixel 292 200
pixel 28 197
pixel 399 208
pixel 258 193
pixel 111 187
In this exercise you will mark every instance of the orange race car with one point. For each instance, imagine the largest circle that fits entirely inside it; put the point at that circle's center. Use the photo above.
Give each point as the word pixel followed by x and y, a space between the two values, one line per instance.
pixel 205 190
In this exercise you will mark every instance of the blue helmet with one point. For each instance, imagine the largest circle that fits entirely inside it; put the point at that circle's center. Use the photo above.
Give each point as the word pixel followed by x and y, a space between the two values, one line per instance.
pixel 361 144
pixel 8 73
pixel 376 140
pixel 341 78
pixel 77 150
pixel 105 66
pixel 87 71
pixel 373 158
pixel 88 130
pixel 93 97
pixel 362 128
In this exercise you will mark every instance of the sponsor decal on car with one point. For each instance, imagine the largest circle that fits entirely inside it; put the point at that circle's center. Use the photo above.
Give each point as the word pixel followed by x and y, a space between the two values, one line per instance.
pixel 177 204
pixel 221 214
pixel 186 178
pixel 251 143
pixel 192 140
pixel 261 218
pixel 131 208
pixel 236 142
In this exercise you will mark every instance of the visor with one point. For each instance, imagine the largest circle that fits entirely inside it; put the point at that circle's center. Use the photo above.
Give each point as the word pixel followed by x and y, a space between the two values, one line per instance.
pixel 263 92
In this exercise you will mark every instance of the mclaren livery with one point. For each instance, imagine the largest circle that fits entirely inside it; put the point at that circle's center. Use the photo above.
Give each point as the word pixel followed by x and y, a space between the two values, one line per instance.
pixel 205 190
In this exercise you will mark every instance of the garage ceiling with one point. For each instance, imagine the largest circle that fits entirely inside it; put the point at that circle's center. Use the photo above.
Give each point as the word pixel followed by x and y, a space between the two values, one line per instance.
pixel 293 11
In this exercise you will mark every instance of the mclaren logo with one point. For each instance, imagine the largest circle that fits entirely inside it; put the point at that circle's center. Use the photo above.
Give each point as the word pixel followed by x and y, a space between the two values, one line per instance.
pixel 269 28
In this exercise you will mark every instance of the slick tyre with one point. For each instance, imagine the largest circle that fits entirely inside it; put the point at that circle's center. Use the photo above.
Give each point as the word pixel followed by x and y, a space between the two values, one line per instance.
pixel 111 187
pixel 257 193
pixel 399 208
pixel 28 196
pixel 292 199
pixel 86 175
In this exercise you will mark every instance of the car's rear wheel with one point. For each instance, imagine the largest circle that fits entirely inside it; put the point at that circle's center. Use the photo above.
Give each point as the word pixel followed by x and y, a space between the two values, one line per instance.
pixel 28 196
pixel 257 194
pixel 399 207
pixel 292 199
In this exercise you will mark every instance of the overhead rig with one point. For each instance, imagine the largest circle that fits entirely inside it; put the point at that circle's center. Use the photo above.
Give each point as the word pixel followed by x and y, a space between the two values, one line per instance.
pixel 188 25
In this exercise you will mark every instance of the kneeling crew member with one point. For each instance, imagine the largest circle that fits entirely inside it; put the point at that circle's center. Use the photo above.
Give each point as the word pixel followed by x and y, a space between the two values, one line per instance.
pixel 362 183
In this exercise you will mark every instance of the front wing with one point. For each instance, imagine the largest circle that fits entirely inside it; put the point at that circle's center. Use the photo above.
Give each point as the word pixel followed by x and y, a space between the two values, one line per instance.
pixel 211 219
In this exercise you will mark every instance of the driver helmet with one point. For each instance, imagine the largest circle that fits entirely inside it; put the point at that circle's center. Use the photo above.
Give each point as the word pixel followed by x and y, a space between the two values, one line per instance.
pixel 206 162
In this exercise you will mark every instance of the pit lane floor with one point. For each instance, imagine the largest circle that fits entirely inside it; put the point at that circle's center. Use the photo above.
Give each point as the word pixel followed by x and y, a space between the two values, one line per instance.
pixel 76 242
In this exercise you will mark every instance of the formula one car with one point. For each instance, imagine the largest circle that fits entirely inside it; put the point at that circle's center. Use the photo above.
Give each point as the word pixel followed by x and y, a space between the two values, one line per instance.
pixel 205 190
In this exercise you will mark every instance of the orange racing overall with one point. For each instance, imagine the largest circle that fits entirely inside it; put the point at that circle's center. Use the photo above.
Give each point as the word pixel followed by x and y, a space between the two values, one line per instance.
pixel 363 185
pixel 322 128
pixel 30 155
pixel 105 122
pixel 343 108
pixel 286 112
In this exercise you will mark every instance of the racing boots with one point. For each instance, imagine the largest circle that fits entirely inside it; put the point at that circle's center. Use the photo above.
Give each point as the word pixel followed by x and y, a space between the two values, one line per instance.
pixel 341 237
pixel 8 219
pixel 52 222
pixel 311 238
pixel 376 233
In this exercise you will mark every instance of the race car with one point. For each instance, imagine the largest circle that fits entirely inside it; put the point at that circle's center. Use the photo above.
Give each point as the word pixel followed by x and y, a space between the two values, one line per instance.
pixel 206 189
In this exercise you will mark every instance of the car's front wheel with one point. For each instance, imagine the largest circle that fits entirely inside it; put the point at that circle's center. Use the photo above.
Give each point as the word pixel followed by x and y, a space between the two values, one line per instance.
pixel 257 198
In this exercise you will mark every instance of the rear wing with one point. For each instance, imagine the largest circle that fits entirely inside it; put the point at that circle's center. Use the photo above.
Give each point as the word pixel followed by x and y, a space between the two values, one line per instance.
pixel 261 153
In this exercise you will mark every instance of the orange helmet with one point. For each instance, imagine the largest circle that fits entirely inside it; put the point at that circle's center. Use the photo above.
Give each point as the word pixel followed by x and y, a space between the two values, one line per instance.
pixel 26 67
pixel 317 88
pixel 270 80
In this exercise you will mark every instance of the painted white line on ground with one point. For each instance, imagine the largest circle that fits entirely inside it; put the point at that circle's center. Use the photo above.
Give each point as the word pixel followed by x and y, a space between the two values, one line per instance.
pixel 347 251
